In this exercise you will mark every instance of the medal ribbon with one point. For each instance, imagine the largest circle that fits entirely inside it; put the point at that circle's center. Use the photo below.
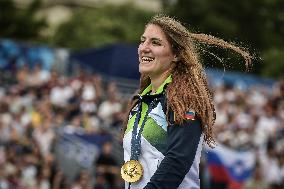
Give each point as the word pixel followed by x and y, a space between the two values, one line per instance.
pixel 136 136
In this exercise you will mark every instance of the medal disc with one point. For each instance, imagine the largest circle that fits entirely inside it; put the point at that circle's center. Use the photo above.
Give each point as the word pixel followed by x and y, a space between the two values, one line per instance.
pixel 132 171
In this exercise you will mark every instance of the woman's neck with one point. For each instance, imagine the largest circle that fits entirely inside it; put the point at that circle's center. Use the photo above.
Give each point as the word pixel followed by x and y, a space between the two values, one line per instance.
pixel 156 82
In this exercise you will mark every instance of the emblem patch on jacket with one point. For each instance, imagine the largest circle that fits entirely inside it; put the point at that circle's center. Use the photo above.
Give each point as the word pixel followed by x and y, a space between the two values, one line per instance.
pixel 189 115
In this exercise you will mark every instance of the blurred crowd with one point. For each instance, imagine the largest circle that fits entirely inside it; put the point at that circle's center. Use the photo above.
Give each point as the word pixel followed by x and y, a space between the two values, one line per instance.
pixel 254 120
pixel 36 102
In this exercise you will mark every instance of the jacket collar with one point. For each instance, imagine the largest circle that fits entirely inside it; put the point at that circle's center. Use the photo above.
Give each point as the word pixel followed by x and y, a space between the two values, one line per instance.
pixel 160 90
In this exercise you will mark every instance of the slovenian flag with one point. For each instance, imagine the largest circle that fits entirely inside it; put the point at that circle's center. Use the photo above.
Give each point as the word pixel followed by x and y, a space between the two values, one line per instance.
pixel 230 166
pixel 189 115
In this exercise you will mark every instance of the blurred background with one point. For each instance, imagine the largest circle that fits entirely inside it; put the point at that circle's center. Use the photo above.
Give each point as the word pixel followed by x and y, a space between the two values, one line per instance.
pixel 68 69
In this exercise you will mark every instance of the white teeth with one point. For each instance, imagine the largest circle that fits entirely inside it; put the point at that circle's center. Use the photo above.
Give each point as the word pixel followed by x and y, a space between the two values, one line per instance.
pixel 147 59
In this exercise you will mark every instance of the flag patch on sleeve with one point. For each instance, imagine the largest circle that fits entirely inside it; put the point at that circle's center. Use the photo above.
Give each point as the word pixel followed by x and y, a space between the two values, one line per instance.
pixel 190 115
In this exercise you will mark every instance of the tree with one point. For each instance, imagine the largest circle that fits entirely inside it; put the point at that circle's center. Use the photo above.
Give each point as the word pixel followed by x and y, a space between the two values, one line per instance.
pixel 277 68
pixel 259 24
pixel 101 26
pixel 20 24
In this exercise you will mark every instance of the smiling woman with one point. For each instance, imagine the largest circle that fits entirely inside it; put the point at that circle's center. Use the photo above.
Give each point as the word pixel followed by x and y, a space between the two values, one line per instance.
pixel 173 113
pixel 155 55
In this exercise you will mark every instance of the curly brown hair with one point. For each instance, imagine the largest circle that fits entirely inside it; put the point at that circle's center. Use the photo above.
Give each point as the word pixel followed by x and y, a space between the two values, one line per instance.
pixel 189 88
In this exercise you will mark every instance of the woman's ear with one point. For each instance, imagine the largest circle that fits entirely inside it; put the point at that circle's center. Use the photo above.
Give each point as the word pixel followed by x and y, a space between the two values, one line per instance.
pixel 176 59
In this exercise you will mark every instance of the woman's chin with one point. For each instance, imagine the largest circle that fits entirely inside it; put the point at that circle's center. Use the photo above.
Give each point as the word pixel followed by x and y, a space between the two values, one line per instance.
pixel 144 71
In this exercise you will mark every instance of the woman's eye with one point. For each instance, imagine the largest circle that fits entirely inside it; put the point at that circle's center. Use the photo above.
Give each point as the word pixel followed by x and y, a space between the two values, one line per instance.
pixel 156 43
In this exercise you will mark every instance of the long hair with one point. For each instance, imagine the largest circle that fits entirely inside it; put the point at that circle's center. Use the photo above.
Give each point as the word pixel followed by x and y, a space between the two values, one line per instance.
pixel 189 88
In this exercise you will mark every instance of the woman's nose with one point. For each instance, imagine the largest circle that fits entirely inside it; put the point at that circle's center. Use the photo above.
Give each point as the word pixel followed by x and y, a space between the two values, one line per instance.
pixel 144 47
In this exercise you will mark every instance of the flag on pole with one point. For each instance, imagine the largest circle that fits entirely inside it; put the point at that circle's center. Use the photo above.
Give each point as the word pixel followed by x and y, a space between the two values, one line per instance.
pixel 230 166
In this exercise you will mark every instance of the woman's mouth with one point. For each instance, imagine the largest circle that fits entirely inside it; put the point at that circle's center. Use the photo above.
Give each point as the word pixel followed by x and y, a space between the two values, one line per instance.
pixel 146 59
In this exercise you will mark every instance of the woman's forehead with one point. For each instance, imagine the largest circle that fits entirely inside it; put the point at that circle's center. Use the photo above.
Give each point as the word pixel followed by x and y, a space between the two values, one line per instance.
pixel 154 31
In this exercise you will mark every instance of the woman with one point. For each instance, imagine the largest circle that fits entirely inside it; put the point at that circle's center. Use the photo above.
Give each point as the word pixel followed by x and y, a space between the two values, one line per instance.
pixel 173 113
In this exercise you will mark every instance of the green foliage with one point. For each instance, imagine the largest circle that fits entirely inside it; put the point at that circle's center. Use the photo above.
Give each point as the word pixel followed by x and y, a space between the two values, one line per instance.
pixel 255 24
pixel 273 63
pixel 20 24
pixel 98 27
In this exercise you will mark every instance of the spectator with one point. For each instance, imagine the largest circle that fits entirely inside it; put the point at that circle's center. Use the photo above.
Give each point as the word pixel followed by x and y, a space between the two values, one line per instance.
pixel 111 106
pixel 107 166
pixel 257 180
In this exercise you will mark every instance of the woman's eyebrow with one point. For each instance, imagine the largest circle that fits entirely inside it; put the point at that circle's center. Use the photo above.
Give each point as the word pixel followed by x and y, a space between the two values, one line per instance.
pixel 152 38
pixel 156 39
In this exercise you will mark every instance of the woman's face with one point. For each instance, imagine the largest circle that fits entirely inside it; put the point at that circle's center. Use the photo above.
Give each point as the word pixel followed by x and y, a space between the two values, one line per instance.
pixel 155 53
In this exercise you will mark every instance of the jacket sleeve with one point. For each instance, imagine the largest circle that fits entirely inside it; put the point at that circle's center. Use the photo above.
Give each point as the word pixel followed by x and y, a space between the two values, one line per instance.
pixel 182 143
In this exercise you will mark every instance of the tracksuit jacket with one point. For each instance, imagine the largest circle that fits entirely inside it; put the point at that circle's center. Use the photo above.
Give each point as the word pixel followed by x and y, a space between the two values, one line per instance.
pixel 170 153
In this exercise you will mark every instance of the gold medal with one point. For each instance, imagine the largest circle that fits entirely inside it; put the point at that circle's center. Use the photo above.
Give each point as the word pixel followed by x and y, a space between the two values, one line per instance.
pixel 132 171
